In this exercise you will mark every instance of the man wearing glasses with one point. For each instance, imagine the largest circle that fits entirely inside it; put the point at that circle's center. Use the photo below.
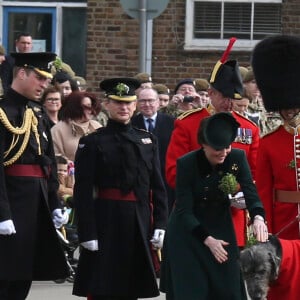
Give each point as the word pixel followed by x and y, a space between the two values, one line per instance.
pixel 160 124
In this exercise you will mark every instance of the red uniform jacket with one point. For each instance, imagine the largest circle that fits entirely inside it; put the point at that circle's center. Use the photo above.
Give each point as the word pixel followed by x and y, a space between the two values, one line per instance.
pixel 287 286
pixel 184 140
pixel 277 165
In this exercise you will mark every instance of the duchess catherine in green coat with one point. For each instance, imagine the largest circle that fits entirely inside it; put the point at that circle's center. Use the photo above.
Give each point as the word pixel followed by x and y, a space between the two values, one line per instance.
pixel 200 255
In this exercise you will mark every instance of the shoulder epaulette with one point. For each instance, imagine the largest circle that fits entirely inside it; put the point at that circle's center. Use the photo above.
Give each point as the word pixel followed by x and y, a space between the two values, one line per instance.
pixel 188 113
pixel 245 118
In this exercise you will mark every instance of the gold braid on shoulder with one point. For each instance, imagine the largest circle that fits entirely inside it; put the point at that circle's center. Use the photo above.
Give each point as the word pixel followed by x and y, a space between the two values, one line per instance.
pixel 29 124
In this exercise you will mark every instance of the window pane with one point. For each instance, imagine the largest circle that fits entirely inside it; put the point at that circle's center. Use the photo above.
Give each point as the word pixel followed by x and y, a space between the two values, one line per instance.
pixel 267 20
pixel 237 20
pixel 207 20
pixel 74 38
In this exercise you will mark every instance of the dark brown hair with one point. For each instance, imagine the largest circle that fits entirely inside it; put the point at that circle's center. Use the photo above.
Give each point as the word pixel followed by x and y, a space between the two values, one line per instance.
pixel 61 77
pixel 60 159
pixel 72 107
pixel 51 89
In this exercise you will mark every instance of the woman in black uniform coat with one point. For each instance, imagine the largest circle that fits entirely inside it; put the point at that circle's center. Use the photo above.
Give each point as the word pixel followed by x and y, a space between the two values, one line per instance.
pixel 121 203
pixel 200 257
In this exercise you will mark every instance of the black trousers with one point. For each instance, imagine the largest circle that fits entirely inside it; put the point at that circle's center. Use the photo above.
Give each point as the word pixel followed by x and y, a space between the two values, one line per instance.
pixel 14 290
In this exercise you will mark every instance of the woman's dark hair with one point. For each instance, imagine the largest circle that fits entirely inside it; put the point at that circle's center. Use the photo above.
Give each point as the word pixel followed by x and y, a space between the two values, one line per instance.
pixel 61 77
pixel 51 89
pixel 72 107
pixel 200 136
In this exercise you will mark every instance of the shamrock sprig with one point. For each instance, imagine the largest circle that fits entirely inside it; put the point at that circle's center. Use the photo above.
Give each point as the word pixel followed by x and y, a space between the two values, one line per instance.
pixel 292 164
pixel 122 89
pixel 228 184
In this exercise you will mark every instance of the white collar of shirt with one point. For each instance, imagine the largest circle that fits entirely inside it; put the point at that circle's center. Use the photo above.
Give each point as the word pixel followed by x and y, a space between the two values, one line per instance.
pixel 154 117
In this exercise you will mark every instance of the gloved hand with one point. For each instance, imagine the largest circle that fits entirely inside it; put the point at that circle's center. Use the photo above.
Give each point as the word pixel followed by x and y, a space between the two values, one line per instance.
pixel 158 238
pixel 7 227
pixel 59 217
pixel 90 245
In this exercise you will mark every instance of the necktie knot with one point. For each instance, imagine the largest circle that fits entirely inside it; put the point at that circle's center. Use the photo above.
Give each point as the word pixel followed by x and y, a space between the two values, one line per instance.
pixel 150 125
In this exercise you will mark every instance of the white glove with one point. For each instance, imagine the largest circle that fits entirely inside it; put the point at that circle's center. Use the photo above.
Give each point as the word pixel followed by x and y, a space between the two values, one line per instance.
pixel 90 245
pixel 238 200
pixel 158 238
pixel 59 217
pixel 7 227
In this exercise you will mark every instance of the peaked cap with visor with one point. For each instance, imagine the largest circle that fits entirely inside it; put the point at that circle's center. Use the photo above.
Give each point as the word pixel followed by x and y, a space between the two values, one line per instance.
pixel 120 89
pixel 40 62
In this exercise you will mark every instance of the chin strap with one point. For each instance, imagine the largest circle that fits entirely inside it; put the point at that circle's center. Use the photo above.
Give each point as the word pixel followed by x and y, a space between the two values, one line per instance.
pixel 295 121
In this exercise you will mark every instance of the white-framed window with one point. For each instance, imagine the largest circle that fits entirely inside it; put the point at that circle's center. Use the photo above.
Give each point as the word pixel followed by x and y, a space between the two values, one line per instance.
pixel 210 23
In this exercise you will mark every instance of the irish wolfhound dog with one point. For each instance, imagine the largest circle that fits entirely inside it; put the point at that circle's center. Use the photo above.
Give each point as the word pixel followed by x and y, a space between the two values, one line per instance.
pixel 260 265
pixel 272 270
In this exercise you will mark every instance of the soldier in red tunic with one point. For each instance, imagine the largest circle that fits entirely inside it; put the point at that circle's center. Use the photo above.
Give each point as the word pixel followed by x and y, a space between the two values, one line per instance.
pixel 225 85
pixel 278 161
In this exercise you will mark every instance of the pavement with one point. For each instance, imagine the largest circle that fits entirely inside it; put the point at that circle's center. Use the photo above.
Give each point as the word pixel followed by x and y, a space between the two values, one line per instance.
pixel 48 290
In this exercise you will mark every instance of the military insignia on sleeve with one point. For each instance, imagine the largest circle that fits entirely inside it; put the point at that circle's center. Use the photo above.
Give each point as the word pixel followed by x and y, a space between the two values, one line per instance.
pixel 188 112
pixel 146 141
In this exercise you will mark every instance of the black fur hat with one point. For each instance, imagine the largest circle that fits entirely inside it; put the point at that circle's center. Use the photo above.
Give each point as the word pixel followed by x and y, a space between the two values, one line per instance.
pixel 276 67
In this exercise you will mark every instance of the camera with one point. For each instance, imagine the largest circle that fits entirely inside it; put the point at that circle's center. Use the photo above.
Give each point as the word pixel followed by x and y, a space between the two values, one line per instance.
pixel 188 99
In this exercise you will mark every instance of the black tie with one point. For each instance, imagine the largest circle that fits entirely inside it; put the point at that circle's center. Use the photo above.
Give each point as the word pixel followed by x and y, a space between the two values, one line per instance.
pixel 150 125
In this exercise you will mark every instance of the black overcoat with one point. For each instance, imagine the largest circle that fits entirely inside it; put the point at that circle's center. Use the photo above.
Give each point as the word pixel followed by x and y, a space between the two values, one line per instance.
pixel 121 157
pixel 34 252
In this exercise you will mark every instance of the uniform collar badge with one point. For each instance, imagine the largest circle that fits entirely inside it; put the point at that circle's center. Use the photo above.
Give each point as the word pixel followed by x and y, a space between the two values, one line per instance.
pixel 146 141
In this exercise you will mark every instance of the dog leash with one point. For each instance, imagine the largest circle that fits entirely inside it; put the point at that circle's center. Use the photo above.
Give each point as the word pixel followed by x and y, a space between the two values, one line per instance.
pixel 288 225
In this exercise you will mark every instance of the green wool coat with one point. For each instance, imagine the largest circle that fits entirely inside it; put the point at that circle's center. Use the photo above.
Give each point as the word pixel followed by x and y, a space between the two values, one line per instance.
pixel 189 270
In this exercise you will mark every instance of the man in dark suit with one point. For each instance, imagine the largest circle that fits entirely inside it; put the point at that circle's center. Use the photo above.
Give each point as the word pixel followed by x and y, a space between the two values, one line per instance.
pixel 23 44
pixel 161 125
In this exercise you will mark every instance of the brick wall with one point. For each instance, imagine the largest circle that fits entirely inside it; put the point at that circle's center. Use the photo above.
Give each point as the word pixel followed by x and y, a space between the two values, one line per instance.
pixel 113 43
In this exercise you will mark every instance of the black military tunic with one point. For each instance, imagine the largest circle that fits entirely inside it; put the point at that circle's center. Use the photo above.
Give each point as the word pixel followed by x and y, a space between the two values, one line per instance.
pixel 118 160
pixel 28 195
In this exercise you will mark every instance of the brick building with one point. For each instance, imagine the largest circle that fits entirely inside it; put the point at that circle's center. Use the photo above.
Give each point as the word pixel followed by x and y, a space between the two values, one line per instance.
pixel 99 40
pixel 113 38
